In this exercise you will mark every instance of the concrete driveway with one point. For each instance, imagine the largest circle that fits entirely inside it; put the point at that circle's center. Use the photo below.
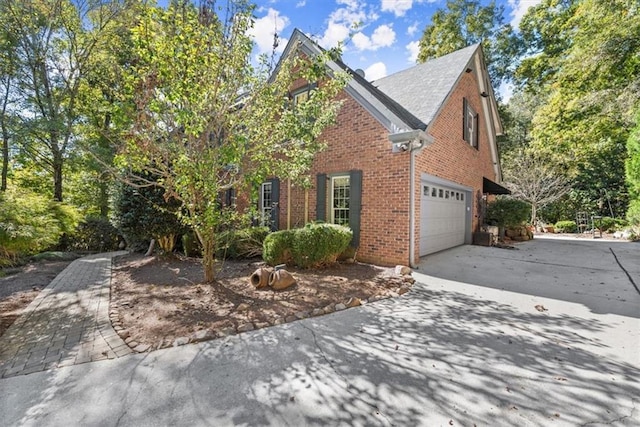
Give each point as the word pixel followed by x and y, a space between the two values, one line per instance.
pixel 467 346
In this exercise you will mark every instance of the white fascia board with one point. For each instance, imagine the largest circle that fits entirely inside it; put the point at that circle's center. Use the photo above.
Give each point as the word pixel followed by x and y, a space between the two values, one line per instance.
pixel 489 115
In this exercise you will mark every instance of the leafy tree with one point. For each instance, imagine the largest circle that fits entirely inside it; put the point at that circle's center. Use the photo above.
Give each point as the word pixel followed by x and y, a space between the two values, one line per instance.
pixel 632 171
pixel 584 64
pixel 535 180
pixel 207 120
pixel 54 41
pixel 465 22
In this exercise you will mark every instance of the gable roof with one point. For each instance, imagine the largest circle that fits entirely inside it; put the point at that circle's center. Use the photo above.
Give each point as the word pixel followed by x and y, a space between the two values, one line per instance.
pixel 433 81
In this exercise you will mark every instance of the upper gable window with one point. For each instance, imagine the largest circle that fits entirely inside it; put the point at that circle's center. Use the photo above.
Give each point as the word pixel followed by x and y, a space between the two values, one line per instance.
pixel 300 96
pixel 470 124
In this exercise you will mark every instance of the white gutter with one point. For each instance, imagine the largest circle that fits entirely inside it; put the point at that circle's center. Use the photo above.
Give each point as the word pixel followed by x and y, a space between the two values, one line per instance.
pixel 412 141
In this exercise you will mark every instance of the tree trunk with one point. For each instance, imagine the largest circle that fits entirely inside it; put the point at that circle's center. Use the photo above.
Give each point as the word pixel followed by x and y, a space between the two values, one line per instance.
pixel 208 242
pixel 152 245
pixel 57 176
pixel 534 214
pixel 5 158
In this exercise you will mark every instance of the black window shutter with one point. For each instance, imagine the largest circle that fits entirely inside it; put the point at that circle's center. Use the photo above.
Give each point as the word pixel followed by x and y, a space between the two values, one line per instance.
pixel 321 197
pixel 476 130
pixel 355 205
pixel 465 128
pixel 275 204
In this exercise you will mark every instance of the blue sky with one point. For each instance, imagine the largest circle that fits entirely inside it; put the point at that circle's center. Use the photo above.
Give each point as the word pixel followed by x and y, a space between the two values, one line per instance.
pixel 386 40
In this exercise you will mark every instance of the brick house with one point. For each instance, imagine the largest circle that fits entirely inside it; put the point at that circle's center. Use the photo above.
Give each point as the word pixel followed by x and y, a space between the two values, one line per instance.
pixel 407 163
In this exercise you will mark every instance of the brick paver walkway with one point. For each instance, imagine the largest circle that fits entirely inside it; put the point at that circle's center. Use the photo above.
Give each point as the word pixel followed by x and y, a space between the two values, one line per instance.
pixel 67 324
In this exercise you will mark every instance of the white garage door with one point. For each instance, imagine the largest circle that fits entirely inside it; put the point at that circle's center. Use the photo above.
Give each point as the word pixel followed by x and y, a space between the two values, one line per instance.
pixel 442 217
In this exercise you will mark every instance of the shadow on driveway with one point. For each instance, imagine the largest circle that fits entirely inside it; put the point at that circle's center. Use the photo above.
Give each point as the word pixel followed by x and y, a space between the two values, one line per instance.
pixel 579 271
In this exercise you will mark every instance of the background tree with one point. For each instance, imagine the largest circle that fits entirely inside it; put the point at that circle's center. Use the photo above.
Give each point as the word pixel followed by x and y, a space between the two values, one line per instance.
pixel 54 41
pixel 465 22
pixel 591 73
pixel 632 171
pixel 207 120
pixel 535 180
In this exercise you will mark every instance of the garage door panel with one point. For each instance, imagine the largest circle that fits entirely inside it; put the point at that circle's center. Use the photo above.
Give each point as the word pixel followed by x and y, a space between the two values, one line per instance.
pixel 442 219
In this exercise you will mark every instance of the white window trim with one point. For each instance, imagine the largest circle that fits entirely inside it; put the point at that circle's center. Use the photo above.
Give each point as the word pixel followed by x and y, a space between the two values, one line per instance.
pixel 331 193
pixel 265 211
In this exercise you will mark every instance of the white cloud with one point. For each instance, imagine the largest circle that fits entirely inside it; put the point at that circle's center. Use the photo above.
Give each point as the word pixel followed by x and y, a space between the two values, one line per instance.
pixel 301 3
pixel 264 29
pixel 344 19
pixel 383 36
pixel 412 29
pixel 375 71
pixel 398 7
pixel 334 34
pixel 520 7
pixel 414 49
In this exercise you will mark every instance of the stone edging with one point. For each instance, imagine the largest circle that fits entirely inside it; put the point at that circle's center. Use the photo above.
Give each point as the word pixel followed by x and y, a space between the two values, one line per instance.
pixel 206 334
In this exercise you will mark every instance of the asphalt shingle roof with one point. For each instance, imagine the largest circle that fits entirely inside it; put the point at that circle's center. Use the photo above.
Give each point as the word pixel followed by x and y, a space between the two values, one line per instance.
pixel 422 89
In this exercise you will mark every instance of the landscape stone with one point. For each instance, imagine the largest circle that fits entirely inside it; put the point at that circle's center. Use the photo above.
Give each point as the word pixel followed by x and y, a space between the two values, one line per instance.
pixel 203 335
pixel 141 348
pixel 290 318
pixel 317 312
pixel 403 290
pixel 401 270
pixel 302 314
pixel 243 307
pixel 340 306
pixel 180 341
pixel 246 327
pixel 353 302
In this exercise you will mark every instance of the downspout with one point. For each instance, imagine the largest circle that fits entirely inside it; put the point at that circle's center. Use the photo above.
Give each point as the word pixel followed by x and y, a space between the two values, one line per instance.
pixel 412 141
pixel 412 203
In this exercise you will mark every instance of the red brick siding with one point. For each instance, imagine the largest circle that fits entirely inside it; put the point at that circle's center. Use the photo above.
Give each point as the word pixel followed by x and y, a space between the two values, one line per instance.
pixel 359 142
pixel 450 156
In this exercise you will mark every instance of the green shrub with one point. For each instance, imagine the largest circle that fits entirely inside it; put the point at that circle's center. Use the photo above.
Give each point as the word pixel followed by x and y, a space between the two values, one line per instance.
pixel 30 223
pixel 243 243
pixel 507 212
pixel 319 244
pixel 610 225
pixel 633 214
pixel 276 248
pixel 191 245
pixel 566 226
pixel 142 214
pixel 95 234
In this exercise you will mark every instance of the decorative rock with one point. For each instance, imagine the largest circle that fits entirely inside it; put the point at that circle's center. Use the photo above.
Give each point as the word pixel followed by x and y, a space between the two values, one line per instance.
pixel 225 332
pixel 128 340
pixel 328 309
pixel 376 298
pixel 203 335
pixel 393 295
pixel 281 279
pixel 350 261
pixel 279 321
pixel 260 325
pixel 408 279
pixel 290 319
pixel 141 348
pixel 353 302
pixel 401 270
pixel 243 307
pixel 302 314
pixel 180 341
pixel 340 307
pixel 403 290
pixel 246 327
pixel 317 312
